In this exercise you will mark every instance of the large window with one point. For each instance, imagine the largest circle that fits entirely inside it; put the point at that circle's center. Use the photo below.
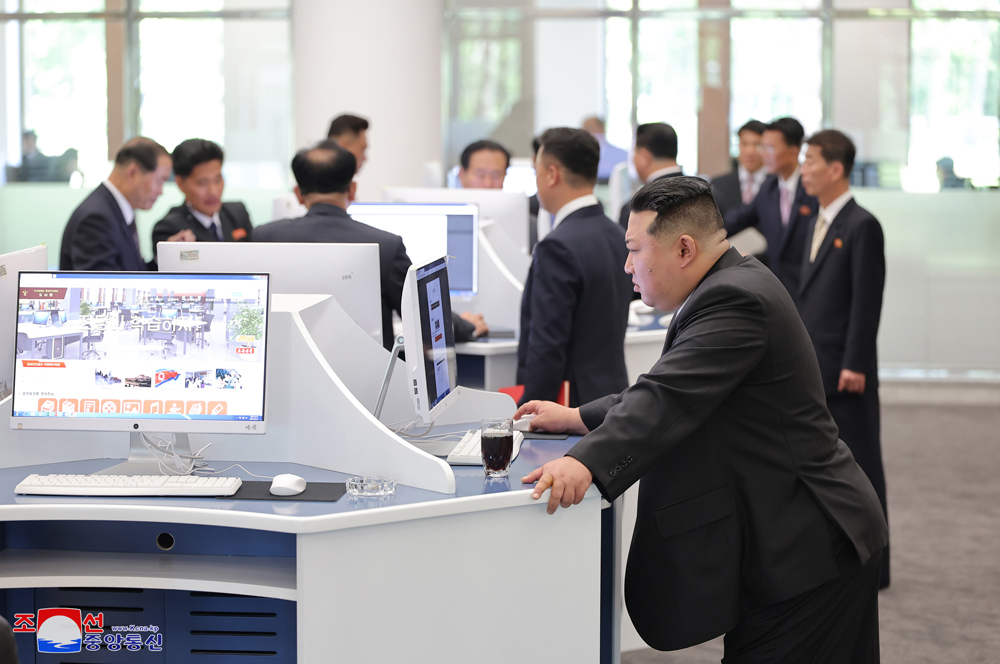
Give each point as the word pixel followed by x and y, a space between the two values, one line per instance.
pixel 917 87
pixel 79 77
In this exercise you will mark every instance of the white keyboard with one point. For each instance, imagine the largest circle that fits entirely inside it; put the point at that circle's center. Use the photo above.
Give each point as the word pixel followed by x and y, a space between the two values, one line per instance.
pixel 469 453
pixel 127 485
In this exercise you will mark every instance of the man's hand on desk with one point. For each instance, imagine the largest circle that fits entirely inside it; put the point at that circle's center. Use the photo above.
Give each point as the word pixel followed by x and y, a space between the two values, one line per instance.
pixel 851 381
pixel 482 328
pixel 553 418
pixel 185 235
pixel 568 478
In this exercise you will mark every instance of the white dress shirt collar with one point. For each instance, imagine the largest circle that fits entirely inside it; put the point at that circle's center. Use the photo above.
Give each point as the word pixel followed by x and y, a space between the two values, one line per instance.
pixel 663 171
pixel 208 222
pixel 576 204
pixel 831 211
pixel 792 183
pixel 123 203
pixel 757 178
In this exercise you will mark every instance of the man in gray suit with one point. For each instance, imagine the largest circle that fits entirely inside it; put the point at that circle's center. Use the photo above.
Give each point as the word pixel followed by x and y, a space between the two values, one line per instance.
pixel 754 520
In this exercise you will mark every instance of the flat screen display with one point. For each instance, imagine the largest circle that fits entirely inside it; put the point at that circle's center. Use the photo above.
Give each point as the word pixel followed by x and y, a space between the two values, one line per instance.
pixel 108 347
pixel 438 337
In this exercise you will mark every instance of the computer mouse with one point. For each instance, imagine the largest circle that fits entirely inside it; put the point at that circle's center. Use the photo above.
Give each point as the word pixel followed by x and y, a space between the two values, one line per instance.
pixel 287 485
pixel 524 423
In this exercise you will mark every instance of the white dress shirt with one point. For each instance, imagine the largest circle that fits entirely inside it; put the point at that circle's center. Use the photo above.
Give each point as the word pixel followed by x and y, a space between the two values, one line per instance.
pixel 576 204
pixel 663 171
pixel 831 211
pixel 123 203
pixel 824 218
pixel 755 179
pixel 213 223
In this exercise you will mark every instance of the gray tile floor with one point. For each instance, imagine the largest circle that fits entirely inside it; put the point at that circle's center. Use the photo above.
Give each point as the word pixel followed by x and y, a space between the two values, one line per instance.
pixel 943 475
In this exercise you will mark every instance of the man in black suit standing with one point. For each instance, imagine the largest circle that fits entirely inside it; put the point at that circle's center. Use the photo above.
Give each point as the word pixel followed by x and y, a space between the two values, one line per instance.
pixel 324 177
pixel 754 520
pixel 782 206
pixel 574 309
pixel 198 174
pixel 840 301
pixel 655 157
pixel 351 133
pixel 740 187
pixel 101 233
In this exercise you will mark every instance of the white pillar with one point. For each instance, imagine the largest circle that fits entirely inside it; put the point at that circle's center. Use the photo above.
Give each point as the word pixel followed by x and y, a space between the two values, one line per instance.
pixel 380 60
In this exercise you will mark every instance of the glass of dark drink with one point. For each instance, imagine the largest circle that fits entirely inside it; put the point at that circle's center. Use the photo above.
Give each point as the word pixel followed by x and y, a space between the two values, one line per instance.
pixel 497 443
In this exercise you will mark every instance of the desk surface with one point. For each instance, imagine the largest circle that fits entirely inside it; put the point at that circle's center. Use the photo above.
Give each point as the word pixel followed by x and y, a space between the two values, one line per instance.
pixel 473 493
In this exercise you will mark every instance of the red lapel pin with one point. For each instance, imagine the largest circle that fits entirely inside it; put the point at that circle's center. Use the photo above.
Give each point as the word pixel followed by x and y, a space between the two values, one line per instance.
pixel 805 210
pixel 838 243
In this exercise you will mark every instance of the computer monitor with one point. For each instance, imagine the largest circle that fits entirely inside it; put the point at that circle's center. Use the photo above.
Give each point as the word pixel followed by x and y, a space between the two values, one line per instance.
pixel 430 231
pixel 349 272
pixel 428 338
pixel 507 209
pixel 35 258
pixel 168 313
pixel 116 377
pixel 42 317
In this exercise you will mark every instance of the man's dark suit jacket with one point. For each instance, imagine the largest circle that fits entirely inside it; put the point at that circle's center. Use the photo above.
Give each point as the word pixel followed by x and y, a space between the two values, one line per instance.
pixel 233 216
pixel 626 209
pixel 329 223
pixel 786 245
pixel 841 303
pixel 745 488
pixel 97 237
pixel 574 311
pixel 728 191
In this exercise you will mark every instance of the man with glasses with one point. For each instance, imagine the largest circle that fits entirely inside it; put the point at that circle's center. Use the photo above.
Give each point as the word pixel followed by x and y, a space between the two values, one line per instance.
pixel 484 165
pixel 782 207
pixel 740 186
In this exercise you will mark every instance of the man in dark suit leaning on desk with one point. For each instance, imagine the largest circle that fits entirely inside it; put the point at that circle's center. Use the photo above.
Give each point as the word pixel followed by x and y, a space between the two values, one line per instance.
pixel 781 207
pixel 574 309
pixel 198 174
pixel 840 302
pixel 754 520
pixel 101 233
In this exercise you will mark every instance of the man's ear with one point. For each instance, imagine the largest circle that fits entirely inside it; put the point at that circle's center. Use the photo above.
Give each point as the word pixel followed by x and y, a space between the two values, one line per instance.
pixel 688 248
pixel 298 195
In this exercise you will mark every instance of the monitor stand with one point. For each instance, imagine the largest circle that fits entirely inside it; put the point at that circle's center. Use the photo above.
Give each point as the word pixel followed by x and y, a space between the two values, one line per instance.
pixel 142 462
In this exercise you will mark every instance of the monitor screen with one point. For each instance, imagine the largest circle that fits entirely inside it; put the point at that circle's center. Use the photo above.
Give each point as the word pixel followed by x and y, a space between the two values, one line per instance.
pixel 42 317
pixel 125 359
pixel 430 231
pixel 436 332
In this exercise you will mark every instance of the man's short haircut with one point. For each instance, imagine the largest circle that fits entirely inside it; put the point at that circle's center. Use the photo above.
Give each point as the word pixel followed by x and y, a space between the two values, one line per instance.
pixel 324 169
pixel 683 204
pixel 473 148
pixel 835 146
pixel 142 151
pixel 577 151
pixel 536 144
pixel 659 138
pixel 192 153
pixel 755 126
pixel 346 124
pixel 790 128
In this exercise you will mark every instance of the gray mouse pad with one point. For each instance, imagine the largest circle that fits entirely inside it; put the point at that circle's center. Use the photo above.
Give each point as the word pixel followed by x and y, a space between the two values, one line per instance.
pixel 326 492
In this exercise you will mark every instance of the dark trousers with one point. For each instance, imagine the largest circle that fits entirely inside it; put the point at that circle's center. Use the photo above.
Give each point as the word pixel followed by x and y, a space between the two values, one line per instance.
pixel 859 420
pixel 836 623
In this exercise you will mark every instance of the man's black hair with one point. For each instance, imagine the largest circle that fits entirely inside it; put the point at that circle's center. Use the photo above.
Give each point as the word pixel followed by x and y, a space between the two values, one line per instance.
pixel 142 151
pixel 473 148
pixel 791 130
pixel 835 146
pixel 682 204
pixel 193 152
pixel 324 169
pixel 754 126
pixel 659 138
pixel 346 124
pixel 577 151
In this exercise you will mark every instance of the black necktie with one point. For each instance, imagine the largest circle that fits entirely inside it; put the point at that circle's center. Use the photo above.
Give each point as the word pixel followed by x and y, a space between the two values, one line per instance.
pixel 217 225
pixel 135 235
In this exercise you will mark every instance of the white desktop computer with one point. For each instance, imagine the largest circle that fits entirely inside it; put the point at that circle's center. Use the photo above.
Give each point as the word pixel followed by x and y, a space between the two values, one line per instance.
pixel 145 353
pixel 430 231
pixel 349 272
pixel 35 258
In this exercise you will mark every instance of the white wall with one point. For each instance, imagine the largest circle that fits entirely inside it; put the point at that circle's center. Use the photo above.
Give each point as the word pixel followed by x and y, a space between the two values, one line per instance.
pixel 380 60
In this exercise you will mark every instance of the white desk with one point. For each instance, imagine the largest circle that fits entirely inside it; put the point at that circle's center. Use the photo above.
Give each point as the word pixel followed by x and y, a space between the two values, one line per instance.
pixel 422 577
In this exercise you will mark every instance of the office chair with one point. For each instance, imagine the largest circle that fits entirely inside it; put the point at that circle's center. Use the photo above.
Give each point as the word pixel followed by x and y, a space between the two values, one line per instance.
pixel 202 340
pixel 93 336
pixel 165 336
pixel 126 315
pixel 25 345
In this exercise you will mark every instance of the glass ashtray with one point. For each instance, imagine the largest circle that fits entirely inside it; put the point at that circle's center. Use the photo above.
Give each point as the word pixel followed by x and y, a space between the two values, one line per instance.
pixel 371 486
